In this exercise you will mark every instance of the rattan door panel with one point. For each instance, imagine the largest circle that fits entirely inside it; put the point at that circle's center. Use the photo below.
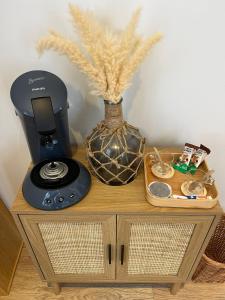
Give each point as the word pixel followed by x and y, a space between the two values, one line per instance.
pixel 158 248
pixel 73 248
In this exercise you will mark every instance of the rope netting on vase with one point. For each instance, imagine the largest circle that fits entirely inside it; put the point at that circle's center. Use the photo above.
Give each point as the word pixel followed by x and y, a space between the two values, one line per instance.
pixel 115 154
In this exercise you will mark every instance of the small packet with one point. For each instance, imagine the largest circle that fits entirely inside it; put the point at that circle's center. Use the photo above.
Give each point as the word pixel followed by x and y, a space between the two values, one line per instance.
pixel 183 161
pixel 197 158
pixel 204 152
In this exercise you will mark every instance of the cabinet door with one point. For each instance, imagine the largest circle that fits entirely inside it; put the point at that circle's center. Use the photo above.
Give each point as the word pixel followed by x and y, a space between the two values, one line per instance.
pixel 159 248
pixel 73 248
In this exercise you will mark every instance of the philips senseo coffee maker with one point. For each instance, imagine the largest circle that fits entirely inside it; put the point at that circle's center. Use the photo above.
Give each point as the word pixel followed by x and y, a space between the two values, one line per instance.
pixel 40 99
pixel 56 181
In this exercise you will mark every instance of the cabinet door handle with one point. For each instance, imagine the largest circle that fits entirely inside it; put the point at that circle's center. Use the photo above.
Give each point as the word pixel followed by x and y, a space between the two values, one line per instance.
pixel 110 253
pixel 121 254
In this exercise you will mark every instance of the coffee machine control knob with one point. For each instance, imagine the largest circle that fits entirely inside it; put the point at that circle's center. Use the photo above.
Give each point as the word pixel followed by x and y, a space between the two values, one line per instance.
pixel 47 202
pixel 61 199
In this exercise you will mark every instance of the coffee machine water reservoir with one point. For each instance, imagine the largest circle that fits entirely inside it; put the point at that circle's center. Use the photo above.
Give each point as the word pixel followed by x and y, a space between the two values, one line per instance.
pixel 40 99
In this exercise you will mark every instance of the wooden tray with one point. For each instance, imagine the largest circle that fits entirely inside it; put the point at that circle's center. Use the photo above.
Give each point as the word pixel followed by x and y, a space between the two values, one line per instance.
pixel 175 182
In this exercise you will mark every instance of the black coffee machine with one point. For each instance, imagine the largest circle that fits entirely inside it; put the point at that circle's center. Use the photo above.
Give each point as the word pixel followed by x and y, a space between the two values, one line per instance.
pixel 40 99
pixel 56 181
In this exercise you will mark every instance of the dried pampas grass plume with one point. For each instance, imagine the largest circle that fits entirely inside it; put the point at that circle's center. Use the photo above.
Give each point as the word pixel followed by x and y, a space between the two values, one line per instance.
pixel 109 59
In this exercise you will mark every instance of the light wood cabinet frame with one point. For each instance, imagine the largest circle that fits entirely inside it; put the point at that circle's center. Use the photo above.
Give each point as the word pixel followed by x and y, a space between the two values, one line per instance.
pixel 116 208
pixel 31 226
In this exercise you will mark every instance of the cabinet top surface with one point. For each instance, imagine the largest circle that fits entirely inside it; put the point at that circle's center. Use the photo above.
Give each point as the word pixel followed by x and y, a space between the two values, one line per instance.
pixel 103 199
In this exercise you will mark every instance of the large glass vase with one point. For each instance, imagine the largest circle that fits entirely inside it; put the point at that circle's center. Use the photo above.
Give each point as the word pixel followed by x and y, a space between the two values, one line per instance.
pixel 115 148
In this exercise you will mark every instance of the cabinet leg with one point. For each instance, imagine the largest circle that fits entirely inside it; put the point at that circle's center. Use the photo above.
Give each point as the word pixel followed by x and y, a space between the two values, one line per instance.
pixel 175 287
pixel 56 287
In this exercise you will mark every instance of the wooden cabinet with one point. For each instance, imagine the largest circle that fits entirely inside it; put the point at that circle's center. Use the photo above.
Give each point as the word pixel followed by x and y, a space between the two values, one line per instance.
pixel 115 236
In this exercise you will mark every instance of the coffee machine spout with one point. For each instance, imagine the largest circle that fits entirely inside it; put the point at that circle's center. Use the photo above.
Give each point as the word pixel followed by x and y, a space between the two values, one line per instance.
pixel 46 140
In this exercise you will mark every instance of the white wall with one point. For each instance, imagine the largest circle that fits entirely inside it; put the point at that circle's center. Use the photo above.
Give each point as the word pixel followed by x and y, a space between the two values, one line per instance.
pixel 177 96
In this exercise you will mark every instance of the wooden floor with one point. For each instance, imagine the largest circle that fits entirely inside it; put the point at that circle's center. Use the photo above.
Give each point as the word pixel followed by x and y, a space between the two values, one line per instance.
pixel 28 286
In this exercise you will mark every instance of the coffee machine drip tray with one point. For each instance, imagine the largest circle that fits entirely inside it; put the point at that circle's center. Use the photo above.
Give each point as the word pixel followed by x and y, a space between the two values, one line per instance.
pixel 51 174
pixel 54 170
pixel 56 184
